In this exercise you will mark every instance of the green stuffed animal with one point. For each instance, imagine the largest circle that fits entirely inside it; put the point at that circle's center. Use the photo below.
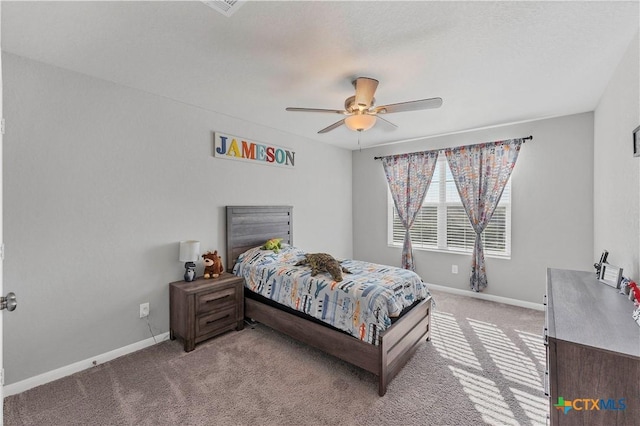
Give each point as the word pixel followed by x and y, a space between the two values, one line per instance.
pixel 273 244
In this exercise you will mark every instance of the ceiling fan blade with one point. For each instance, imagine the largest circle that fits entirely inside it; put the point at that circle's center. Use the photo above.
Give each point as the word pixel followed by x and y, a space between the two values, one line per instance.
pixel 387 121
pixel 333 126
pixel 409 106
pixel 334 111
pixel 365 89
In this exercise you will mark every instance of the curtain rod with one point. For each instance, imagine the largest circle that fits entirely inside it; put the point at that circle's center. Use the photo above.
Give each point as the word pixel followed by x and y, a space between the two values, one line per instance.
pixel 528 138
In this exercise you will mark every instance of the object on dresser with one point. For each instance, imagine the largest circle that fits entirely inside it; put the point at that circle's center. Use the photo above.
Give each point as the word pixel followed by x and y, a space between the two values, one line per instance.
pixel 212 264
pixel 189 252
pixel 634 293
pixel 624 285
pixel 603 259
pixel 610 275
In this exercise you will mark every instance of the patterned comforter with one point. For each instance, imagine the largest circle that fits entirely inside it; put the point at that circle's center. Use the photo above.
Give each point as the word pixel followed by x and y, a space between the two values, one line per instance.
pixel 362 304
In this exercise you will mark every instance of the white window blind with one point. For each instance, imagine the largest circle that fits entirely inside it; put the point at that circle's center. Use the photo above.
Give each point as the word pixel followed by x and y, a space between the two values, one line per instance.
pixel 442 224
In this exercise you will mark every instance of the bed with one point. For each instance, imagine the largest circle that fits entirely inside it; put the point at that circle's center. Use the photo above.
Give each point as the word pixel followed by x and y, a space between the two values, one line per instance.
pixel 249 227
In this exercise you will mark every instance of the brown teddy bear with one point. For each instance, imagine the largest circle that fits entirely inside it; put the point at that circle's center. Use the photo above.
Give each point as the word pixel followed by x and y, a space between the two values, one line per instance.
pixel 212 264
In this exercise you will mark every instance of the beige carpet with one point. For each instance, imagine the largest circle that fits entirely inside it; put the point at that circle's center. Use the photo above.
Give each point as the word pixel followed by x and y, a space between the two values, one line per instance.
pixel 483 365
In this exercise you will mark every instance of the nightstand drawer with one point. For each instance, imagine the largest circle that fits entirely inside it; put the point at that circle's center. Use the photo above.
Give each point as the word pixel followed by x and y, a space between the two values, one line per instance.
pixel 209 323
pixel 213 300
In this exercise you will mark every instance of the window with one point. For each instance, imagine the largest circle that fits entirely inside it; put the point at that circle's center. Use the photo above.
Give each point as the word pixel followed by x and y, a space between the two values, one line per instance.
pixel 442 224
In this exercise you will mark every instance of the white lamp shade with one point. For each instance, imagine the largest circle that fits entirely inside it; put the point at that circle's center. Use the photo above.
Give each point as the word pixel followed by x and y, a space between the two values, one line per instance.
pixel 189 251
pixel 360 122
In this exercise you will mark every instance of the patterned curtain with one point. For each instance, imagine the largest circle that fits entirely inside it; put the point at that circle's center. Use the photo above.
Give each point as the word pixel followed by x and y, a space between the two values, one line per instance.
pixel 481 173
pixel 409 176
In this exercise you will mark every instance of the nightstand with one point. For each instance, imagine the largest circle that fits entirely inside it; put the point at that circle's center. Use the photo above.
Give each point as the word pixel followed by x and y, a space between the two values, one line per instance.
pixel 204 308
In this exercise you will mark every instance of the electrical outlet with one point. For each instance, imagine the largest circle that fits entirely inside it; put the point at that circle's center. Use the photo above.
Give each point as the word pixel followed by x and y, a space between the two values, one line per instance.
pixel 144 310
pixel 454 269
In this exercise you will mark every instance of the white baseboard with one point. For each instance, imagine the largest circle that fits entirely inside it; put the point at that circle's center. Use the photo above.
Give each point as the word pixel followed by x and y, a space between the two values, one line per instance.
pixel 50 376
pixel 499 299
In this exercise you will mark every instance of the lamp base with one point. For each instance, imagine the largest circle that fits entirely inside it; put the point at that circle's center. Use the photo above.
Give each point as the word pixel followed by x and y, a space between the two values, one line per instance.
pixel 189 271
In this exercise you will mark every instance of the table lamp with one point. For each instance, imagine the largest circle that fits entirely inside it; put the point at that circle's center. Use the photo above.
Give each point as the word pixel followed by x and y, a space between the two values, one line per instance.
pixel 189 253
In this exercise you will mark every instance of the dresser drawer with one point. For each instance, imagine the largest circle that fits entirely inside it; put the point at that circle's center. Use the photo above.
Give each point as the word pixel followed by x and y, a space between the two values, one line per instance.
pixel 214 300
pixel 210 323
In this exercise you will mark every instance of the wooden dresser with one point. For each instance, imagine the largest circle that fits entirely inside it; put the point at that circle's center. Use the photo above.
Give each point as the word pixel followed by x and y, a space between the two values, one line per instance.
pixel 204 308
pixel 593 351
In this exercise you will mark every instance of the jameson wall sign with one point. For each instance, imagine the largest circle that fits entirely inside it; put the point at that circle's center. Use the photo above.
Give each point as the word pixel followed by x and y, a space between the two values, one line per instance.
pixel 237 148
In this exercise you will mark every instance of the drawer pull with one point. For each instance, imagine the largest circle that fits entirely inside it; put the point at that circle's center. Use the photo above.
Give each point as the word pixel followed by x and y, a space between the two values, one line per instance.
pixel 219 319
pixel 546 383
pixel 218 298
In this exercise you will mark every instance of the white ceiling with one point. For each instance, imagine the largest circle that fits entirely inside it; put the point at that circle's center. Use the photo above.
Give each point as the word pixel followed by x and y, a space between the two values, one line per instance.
pixel 492 62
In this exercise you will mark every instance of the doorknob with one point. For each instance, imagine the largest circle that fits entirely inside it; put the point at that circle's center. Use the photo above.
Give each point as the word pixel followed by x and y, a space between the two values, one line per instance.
pixel 9 302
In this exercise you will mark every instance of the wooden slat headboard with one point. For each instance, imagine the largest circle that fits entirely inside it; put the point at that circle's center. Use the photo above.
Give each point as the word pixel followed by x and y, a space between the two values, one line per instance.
pixel 251 226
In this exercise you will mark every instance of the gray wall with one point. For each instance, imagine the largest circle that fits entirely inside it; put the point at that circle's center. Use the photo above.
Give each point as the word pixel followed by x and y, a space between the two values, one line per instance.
pixel 616 171
pixel 552 208
pixel 102 181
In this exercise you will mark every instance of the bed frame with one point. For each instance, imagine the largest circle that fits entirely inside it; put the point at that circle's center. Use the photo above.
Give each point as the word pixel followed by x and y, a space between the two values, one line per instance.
pixel 251 226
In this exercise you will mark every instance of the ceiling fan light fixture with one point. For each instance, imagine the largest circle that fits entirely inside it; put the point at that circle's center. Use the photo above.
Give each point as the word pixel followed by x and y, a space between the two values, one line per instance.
pixel 360 122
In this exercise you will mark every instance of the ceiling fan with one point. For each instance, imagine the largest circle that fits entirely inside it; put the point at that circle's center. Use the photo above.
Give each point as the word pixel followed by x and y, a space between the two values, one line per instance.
pixel 360 110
